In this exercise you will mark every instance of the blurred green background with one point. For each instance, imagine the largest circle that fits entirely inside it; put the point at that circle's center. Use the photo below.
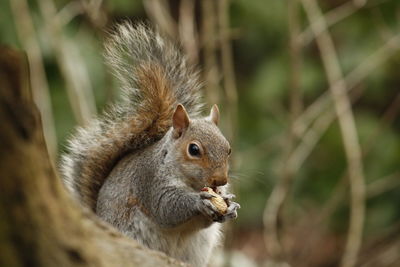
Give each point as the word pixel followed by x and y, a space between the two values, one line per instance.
pixel 277 138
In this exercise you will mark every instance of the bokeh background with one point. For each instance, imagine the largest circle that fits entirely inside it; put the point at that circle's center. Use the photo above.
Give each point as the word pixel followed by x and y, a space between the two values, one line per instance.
pixel 309 94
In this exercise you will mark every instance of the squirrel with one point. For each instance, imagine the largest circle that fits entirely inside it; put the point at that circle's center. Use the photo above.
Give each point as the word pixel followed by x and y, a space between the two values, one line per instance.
pixel 141 166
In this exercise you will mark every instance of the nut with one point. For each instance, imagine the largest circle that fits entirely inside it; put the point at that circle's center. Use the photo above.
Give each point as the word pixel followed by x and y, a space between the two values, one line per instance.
pixel 217 200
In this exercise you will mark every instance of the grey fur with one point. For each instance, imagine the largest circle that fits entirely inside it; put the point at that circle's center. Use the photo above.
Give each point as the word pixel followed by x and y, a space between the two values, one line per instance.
pixel 144 184
pixel 171 214
pixel 127 48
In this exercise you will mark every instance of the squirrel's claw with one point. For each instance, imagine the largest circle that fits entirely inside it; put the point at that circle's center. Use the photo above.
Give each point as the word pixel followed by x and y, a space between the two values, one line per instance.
pixel 233 206
pixel 228 198
pixel 231 212
pixel 212 212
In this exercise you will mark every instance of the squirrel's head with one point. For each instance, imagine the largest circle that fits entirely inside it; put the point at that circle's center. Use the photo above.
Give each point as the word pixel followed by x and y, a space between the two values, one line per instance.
pixel 201 150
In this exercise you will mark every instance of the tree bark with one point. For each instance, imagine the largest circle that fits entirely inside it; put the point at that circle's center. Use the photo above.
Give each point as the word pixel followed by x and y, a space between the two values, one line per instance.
pixel 40 225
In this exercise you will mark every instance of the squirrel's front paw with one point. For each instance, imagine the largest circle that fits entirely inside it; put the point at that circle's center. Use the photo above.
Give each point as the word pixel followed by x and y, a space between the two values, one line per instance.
pixel 231 212
pixel 209 210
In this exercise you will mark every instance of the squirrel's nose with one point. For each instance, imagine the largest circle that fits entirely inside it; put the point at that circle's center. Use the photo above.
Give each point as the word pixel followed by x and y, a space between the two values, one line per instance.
pixel 218 181
pixel 219 178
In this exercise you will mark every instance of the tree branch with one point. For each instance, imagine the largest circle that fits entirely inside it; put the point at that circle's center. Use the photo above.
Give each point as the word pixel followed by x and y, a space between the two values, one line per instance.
pixel 40 88
pixel 275 203
pixel 355 77
pixel 331 18
pixel 228 68
pixel 158 11
pixel 73 69
pixel 209 43
pixel 187 30
pixel 348 130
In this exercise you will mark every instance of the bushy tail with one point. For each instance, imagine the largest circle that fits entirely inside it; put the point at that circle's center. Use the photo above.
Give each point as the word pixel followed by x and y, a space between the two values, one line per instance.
pixel 155 77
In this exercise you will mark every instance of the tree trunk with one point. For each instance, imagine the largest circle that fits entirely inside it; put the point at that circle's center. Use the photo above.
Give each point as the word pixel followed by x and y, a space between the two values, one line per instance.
pixel 40 225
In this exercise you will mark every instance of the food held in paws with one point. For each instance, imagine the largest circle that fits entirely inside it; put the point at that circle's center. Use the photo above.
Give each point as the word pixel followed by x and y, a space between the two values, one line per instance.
pixel 217 200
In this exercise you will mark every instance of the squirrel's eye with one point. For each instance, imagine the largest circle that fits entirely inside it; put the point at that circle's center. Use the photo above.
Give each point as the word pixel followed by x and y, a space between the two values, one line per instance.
pixel 229 151
pixel 194 150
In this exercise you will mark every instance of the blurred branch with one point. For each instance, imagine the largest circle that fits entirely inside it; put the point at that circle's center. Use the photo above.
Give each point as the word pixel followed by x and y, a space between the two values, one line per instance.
pixel 72 67
pixel 384 250
pixel 380 186
pixel 332 17
pixel 229 85
pixel 228 70
pixel 97 15
pixel 274 206
pixel 355 77
pixel 379 20
pixel 338 196
pixel 348 130
pixel 187 30
pixel 309 141
pixel 41 95
pixel 322 103
pixel 158 11
pixel 296 101
pixel 383 185
pixel 69 12
pixel 388 117
pixel 92 9
pixel 209 42
pixel 387 256
pixel 311 137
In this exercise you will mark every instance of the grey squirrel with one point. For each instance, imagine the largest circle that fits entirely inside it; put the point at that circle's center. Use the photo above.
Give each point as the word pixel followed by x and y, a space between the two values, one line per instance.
pixel 142 165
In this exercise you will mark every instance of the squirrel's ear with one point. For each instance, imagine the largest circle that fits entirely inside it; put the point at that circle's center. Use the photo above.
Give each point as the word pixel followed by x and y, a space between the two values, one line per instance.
pixel 214 114
pixel 180 120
